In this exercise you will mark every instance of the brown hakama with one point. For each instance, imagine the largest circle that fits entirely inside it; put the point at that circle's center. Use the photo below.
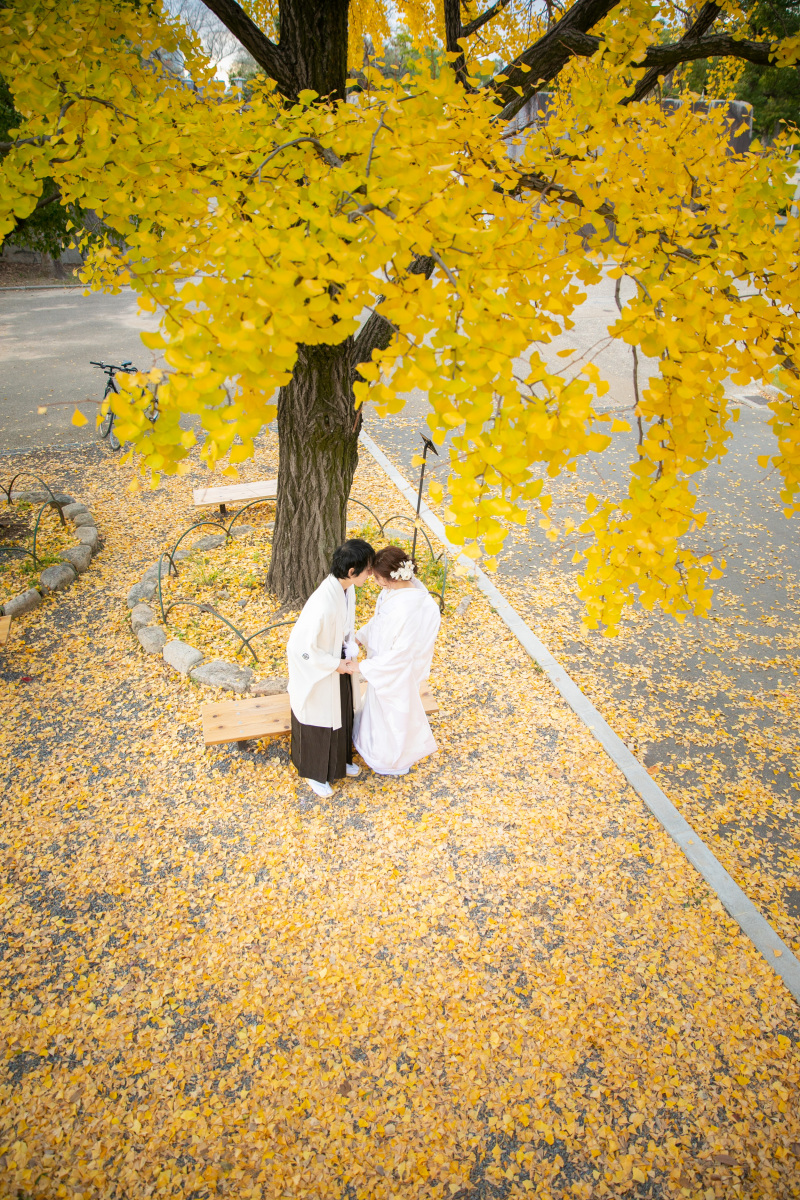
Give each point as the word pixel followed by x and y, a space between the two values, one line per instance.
pixel 320 753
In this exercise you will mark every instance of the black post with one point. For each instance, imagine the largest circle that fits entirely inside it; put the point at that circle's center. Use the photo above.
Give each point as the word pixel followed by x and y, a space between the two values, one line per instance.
pixel 428 444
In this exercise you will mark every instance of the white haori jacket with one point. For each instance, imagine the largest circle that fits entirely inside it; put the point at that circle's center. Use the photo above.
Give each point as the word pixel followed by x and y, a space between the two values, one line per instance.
pixel 314 651
pixel 391 732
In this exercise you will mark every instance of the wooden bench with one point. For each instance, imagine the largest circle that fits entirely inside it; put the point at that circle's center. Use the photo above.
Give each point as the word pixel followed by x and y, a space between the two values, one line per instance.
pixel 264 716
pixel 5 629
pixel 237 493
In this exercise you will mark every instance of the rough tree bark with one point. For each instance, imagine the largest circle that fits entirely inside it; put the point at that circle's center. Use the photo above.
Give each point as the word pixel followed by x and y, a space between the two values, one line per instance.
pixel 318 430
pixel 313 44
pixel 701 24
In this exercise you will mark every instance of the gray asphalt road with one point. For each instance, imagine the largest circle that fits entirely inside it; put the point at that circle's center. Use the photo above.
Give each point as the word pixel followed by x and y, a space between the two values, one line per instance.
pixel 47 337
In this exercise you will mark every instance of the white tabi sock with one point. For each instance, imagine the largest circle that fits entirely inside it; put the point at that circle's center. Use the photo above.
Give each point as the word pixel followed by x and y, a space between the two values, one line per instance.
pixel 322 789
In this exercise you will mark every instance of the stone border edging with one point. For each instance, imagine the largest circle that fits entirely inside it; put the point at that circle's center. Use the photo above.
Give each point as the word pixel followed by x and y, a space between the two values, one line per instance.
pixel 184 658
pixel 755 926
pixel 74 561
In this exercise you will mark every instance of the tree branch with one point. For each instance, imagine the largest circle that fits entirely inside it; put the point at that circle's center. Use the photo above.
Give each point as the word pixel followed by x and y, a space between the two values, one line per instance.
pixel 718 45
pixel 479 22
pixel 545 59
pixel 664 58
pixel 263 50
pixel 32 141
pixel 43 201
pixel 701 24
pixel 538 183
pixel 376 333
pixel 453 30
pixel 569 36
pixel 422 265
pixel 328 155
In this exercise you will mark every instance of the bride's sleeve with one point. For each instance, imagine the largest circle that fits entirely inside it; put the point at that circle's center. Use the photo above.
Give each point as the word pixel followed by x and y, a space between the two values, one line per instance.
pixel 362 634
pixel 385 671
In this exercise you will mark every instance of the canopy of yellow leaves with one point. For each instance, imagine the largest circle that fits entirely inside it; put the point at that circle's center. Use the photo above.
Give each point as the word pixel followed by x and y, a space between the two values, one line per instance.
pixel 255 226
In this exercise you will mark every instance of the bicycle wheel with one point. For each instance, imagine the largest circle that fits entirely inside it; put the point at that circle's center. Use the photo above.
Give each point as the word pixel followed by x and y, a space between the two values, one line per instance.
pixel 106 428
pixel 106 425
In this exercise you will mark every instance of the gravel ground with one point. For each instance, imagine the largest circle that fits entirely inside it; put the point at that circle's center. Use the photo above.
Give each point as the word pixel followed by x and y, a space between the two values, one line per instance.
pixel 495 977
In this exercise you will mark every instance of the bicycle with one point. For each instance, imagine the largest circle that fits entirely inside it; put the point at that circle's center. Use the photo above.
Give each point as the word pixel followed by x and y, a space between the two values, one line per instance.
pixel 106 427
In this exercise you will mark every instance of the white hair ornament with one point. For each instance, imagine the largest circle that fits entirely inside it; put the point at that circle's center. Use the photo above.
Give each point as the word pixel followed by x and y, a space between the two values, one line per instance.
pixel 404 571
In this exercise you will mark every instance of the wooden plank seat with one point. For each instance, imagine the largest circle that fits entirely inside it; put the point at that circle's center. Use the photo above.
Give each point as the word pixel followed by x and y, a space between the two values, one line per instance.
pixel 5 629
pixel 264 716
pixel 237 493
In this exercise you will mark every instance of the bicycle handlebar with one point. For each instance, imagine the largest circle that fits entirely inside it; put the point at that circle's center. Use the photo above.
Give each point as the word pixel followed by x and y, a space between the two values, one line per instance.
pixel 127 367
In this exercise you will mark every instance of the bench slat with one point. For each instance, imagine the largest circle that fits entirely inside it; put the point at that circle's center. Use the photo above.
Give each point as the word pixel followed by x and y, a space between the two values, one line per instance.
pixel 265 716
pixel 261 489
pixel 237 720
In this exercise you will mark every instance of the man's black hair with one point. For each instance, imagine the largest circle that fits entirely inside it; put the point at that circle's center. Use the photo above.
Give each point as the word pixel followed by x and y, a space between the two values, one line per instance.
pixel 353 555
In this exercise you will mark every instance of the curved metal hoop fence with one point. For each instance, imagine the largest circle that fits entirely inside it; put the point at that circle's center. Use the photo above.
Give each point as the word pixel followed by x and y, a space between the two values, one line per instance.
pixel 434 557
pixel 246 640
pixel 52 502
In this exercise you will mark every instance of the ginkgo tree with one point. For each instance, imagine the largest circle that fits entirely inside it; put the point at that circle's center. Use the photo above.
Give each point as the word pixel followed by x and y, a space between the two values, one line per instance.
pixel 336 238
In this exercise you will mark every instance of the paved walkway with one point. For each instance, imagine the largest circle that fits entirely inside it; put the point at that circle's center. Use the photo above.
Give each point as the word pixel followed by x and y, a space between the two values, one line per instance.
pixel 496 977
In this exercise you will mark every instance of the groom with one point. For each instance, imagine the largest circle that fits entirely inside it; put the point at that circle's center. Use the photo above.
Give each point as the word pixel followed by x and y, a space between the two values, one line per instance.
pixel 320 686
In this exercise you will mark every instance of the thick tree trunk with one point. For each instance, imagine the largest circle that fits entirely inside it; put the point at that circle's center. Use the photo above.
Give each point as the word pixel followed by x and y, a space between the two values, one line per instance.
pixel 314 43
pixel 318 430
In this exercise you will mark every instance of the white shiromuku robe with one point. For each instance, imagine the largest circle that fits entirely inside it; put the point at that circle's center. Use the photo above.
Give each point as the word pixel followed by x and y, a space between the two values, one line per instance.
pixel 391 732
pixel 314 651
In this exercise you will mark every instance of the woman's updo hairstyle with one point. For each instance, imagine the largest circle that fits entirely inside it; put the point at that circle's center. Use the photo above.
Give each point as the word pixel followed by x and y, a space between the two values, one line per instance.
pixel 391 558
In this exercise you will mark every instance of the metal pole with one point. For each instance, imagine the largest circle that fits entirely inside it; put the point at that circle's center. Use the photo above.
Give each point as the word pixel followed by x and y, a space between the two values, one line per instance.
pixel 428 444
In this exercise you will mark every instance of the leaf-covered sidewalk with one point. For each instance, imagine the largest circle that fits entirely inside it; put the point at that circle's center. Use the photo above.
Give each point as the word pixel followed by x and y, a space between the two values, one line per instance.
pixel 495 977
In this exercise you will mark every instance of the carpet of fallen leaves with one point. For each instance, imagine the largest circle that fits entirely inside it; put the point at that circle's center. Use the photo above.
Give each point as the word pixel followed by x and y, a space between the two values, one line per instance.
pixel 727 753
pixel 712 707
pixel 496 977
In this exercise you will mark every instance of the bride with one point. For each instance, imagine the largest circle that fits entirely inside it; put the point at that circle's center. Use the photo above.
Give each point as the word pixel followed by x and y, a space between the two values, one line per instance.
pixel 391 732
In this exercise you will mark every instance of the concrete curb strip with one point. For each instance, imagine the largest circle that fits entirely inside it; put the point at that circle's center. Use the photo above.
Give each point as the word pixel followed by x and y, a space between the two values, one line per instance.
pixel 40 287
pixel 736 903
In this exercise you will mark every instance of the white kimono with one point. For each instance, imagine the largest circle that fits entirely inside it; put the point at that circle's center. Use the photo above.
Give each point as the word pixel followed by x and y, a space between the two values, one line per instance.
pixel 391 732
pixel 314 651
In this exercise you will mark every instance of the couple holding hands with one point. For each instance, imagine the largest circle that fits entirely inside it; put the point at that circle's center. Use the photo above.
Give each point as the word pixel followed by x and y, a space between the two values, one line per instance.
pixel 387 725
